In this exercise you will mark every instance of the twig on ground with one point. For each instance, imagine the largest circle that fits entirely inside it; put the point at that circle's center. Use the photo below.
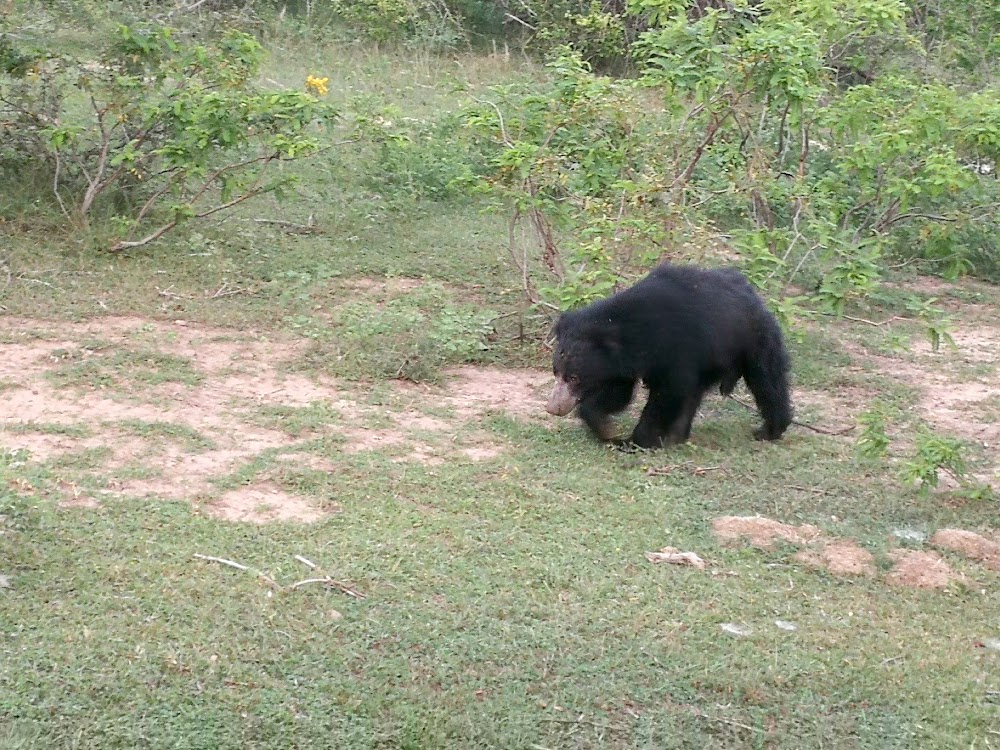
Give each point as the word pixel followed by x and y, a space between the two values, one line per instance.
pixel 582 721
pixel 222 561
pixel 814 490
pixel 730 722
pixel 223 292
pixel 22 277
pixel 325 580
pixel 662 471
pixel 292 227
pixel 820 430
pixel 170 295
pixel 875 323
pixel 332 583
pixel 238 566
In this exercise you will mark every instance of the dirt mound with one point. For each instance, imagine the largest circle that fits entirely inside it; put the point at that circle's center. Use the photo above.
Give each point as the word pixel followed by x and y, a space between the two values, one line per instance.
pixel 847 558
pixel 971 545
pixel 762 532
pixel 841 558
pixel 922 570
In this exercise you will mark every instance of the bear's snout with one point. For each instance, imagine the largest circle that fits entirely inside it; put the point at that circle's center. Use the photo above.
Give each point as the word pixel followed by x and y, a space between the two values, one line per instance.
pixel 562 401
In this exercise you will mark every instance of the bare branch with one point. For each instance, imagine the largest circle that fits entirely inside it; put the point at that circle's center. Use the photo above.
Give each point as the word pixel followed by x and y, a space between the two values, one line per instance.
pixel 252 191
pixel 55 185
pixel 238 566
pixel 503 128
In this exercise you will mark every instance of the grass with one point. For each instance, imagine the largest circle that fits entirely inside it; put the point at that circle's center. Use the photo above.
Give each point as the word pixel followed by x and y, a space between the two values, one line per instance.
pixel 191 439
pixel 507 602
pixel 125 367
pixel 506 605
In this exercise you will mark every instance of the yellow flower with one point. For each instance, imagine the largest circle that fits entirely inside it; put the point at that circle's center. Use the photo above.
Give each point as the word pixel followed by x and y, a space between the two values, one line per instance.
pixel 317 84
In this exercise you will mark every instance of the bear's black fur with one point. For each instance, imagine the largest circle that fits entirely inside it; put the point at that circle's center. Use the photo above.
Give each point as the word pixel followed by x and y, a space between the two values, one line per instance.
pixel 681 331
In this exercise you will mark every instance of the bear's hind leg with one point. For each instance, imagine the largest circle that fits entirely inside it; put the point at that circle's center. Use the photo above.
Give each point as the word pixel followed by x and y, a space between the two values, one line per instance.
pixel 680 431
pixel 766 375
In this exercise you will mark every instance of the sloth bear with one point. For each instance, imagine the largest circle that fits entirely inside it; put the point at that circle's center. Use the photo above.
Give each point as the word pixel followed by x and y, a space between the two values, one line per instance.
pixel 681 331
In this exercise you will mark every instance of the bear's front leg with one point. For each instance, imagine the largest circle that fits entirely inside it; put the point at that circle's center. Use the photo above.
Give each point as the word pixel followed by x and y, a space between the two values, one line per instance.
pixel 662 422
pixel 600 403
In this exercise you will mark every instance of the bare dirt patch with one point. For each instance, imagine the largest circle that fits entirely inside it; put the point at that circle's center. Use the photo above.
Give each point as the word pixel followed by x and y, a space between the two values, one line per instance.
pixel 841 558
pixel 172 439
pixel 838 408
pixel 481 389
pixel 263 503
pixel 978 342
pixel 921 570
pixel 74 497
pixel 971 545
pixel 958 393
pixel 955 408
pixel 762 532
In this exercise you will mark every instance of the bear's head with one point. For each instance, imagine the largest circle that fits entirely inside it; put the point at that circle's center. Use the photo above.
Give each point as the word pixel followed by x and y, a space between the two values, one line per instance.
pixel 586 354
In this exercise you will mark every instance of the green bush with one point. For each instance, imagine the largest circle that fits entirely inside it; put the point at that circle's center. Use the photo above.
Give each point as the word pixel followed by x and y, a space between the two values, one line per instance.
pixel 157 131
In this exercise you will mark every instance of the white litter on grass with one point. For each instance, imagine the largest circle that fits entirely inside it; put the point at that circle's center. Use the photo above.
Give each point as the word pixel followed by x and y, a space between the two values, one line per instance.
pixel 785 625
pixel 910 535
pixel 737 630
pixel 993 643
pixel 676 557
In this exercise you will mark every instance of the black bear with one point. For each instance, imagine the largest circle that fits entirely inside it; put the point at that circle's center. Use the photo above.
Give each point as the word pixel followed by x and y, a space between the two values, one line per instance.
pixel 681 330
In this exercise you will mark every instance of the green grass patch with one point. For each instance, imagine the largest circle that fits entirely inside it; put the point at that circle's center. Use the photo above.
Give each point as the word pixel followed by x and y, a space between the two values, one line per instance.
pixel 411 336
pixel 503 609
pixel 48 428
pixel 296 420
pixel 190 438
pixel 125 367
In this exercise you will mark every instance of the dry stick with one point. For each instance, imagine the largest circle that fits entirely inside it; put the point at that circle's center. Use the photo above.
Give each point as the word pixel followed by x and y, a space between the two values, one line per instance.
pixel 238 566
pixel 291 227
pixel 813 490
pixel 581 721
pixel 55 185
pixel 730 722
pixel 223 292
pixel 167 293
pixel 820 430
pixel 872 322
pixel 222 561
pixel 330 582
pixel 251 192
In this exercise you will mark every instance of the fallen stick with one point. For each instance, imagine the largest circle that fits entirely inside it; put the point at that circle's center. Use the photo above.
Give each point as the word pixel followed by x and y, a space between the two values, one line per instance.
pixel 238 566
pixel 332 583
pixel 304 561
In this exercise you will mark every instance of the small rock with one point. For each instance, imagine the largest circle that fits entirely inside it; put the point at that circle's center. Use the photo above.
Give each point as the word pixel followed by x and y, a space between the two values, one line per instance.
pixel 737 630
